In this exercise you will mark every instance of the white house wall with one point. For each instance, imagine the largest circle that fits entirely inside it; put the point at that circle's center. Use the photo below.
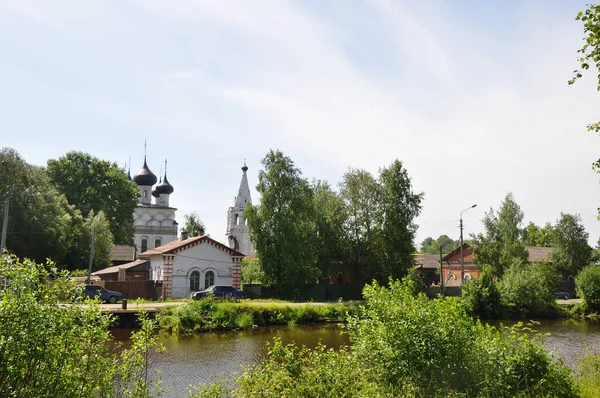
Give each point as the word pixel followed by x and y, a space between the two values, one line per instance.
pixel 203 257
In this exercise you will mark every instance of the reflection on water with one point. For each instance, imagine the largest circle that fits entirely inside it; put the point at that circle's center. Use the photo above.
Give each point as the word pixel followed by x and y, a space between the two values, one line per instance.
pixel 201 358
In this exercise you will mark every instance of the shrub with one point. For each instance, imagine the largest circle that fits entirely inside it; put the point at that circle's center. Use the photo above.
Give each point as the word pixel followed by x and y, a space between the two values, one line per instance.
pixel 588 286
pixel 244 321
pixel 527 290
pixel 588 374
pixel 53 350
pixel 481 296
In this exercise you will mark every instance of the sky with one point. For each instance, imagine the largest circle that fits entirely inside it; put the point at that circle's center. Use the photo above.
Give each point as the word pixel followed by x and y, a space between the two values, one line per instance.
pixel 471 96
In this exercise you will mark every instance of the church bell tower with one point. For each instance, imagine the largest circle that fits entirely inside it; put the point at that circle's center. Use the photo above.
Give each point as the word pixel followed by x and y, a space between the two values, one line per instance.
pixel 238 233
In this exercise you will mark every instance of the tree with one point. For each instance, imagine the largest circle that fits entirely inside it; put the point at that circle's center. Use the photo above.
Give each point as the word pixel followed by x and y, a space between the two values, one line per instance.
pixel 432 246
pixel 39 218
pixel 330 218
pixel 534 235
pixel 361 194
pixel 93 184
pixel 103 239
pixel 571 250
pixel 192 225
pixel 501 245
pixel 282 227
pixel 251 271
pixel 590 51
pixel 400 207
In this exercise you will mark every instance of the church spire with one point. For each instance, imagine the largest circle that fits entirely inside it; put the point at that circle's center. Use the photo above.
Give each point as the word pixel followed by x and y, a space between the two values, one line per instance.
pixel 243 198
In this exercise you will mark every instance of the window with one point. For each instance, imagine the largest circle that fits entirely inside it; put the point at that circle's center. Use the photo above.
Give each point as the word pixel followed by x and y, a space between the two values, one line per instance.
pixel 451 277
pixel 144 245
pixel 209 279
pixel 144 194
pixel 156 242
pixel 467 278
pixel 236 220
pixel 195 281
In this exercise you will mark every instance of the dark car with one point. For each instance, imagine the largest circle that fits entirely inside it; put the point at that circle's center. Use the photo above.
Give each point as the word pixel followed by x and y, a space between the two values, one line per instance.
pixel 218 291
pixel 104 295
pixel 562 295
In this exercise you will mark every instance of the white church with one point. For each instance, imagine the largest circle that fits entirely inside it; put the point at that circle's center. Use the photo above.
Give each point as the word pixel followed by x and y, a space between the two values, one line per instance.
pixel 187 265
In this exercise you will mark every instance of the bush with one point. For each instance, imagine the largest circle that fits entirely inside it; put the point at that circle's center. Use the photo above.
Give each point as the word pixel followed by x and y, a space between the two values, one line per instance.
pixel 409 346
pixel 481 296
pixel 527 290
pixel 588 286
pixel 53 350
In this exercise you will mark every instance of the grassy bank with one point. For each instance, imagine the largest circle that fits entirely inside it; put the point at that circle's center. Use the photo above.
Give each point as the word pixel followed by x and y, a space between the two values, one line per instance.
pixel 208 315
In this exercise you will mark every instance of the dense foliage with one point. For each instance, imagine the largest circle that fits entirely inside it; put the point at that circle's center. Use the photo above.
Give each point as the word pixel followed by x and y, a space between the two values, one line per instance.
pixel 407 345
pixel 571 250
pixel 534 235
pixel 481 297
pixel 432 246
pixel 588 286
pixel 501 245
pixel 90 184
pixel 53 350
pixel 283 227
pixel 193 225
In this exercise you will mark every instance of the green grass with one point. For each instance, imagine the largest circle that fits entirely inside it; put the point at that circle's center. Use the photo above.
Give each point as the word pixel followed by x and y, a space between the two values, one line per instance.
pixel 208 315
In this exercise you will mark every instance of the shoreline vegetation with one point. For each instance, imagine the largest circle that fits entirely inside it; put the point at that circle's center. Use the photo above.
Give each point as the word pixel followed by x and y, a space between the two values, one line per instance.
pixel 401 344
pixel 211 314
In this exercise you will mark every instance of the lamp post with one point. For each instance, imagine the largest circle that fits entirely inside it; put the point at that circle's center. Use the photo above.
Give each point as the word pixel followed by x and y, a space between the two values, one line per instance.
pixel 462 258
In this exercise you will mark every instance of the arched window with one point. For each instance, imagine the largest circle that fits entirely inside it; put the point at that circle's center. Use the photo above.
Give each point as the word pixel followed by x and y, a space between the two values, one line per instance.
pixel 236 220
pixel 195 281
pixel 209 279
pixel 468 278
pixel 144 245
pixel 451 277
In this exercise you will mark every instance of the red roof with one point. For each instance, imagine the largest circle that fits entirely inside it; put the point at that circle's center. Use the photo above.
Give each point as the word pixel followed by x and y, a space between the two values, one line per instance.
pixel 178 245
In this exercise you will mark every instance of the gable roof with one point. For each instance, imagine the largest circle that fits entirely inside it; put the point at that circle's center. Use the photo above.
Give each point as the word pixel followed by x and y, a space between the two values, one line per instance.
pixel 122 253
pixel 427 260
pixel 115 269
pixel 179 245
pixel 537 254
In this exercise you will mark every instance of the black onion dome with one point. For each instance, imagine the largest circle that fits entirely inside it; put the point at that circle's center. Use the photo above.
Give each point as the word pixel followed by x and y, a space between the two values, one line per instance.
pixel 164 186
pixel 245 168
pixel 155 193
pixel 145 176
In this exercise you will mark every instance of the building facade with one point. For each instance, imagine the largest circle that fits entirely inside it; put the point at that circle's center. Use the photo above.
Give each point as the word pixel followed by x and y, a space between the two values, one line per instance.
pixel 238 232
pixel 189 265
pixel 154 219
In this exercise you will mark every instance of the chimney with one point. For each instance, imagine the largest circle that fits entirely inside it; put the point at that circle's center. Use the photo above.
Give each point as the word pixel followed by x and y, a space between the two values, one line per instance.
pixel 184 235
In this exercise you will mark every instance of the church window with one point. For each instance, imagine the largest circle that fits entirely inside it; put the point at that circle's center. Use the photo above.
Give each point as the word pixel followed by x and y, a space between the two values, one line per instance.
pixel 157 242
pixel 236 220
pixel 144 194
pixel 144 245
pixel 195 281
pixel 209 279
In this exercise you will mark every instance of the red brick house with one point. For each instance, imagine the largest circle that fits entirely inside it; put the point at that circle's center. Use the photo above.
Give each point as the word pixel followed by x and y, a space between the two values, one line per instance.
pixel 451 264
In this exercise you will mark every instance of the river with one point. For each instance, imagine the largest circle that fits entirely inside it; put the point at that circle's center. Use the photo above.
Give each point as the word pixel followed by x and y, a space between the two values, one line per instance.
pixel 201 358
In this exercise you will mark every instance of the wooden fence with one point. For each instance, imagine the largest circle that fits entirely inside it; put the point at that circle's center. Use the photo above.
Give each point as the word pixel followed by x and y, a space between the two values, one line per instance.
pixel 151 290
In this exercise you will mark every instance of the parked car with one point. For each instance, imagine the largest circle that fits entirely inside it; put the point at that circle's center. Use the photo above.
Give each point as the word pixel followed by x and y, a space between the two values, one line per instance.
pixel 218 291
pixel 562 295
pixel 105 295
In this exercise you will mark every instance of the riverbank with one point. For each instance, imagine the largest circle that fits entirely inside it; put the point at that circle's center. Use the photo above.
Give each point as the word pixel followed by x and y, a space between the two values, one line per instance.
pixel 211 315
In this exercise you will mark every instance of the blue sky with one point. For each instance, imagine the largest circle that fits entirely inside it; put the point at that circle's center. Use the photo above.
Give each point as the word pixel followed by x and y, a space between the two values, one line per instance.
pixel 472 96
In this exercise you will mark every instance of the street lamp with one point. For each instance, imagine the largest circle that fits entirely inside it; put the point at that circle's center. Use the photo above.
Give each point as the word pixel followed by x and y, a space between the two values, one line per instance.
pixel 7 196
pixel 462 258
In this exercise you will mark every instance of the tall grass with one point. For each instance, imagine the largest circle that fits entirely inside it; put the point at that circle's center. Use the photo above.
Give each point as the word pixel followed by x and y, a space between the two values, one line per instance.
pixel 209 315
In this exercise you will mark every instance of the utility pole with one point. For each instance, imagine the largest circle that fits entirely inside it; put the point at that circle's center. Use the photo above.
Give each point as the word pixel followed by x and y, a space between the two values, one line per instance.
pixel 89 278
pixel 7 197
pixel 462 258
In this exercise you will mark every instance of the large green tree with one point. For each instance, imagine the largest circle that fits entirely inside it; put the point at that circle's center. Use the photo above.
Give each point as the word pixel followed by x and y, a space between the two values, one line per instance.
pixel 534 235
pixel 39 217
pixel 90 184
pixel 500 245
pixel 282 227
pixel 571 251
pixel 400 206
pixel 432 246
pixel 193 225
pixel 330 217
pixel 361 194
